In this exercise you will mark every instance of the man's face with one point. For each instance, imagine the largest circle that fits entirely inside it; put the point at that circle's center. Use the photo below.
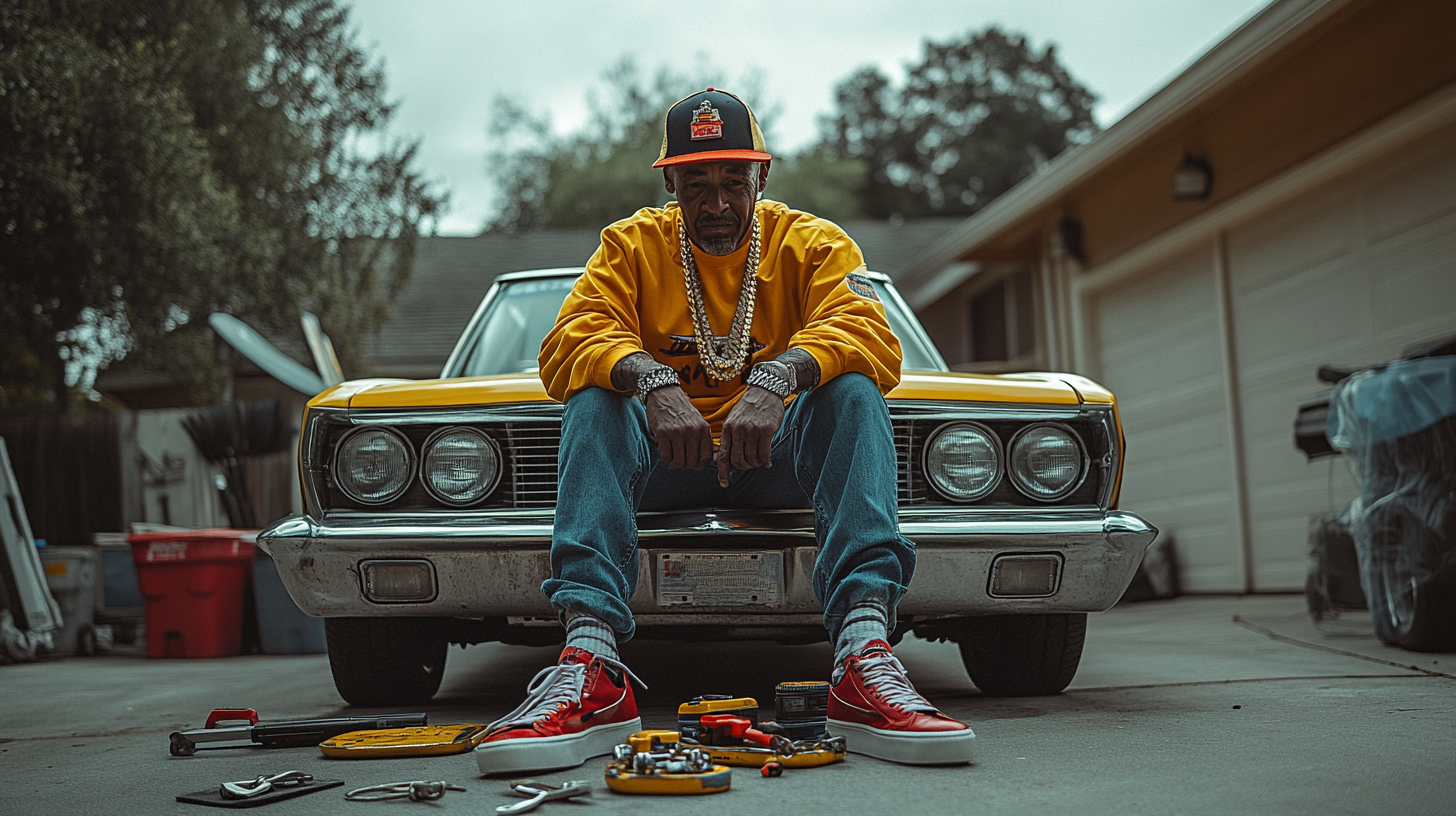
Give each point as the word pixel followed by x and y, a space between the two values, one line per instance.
pixel 717 201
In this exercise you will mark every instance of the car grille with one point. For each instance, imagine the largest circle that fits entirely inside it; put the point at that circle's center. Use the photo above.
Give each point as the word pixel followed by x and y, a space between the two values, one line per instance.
pixel 533 447
pixel 909 436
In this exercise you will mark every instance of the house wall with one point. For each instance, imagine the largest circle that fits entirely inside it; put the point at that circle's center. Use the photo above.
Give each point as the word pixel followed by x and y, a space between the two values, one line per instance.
pixel 1210 337
pixel 949 321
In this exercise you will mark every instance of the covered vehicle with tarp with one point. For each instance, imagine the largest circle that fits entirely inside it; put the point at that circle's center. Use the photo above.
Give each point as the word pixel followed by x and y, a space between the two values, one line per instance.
pixel 1396 425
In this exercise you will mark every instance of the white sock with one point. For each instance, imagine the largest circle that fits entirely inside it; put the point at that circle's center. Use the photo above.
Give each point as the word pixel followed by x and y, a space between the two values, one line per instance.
pixel 864 623
pixel 593 635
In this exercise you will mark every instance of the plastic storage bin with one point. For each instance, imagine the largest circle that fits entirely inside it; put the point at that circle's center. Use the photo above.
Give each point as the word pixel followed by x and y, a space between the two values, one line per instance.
pixel 193 583
pixel 119 602
pixel 283 628
pixel 119 593
pixel 71 575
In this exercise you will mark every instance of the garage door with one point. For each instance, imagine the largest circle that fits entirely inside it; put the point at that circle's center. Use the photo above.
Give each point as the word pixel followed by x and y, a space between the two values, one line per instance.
pixel 1349 274
pixel 1156 345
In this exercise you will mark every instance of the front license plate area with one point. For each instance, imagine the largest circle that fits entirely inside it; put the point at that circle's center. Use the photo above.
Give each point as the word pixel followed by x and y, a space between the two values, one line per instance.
pixel 752 578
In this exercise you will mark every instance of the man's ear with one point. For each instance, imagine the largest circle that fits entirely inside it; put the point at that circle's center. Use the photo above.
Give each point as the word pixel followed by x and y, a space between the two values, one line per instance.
pixel 763 176
pixel 667 180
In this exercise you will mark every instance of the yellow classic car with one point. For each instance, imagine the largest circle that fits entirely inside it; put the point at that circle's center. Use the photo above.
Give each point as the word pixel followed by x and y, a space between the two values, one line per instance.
pixel 428 508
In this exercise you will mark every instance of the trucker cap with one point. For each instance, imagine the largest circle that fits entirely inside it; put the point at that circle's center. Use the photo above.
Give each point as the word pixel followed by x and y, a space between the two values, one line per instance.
pixel 710 125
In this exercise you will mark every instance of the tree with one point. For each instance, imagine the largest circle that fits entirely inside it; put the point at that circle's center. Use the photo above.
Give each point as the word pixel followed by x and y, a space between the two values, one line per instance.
pixel 603 172
pixel 164 160
pixel 975 116
pixel 819 182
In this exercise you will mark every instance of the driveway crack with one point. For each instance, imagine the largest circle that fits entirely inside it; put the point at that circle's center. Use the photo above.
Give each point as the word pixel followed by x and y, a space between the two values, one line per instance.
pixel 1273 635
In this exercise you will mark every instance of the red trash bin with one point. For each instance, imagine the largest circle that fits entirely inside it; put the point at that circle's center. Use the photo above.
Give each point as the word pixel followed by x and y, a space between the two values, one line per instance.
pixel 193 582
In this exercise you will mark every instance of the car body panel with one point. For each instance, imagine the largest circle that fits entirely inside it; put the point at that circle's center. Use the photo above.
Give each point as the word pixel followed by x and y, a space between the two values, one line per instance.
pixel 1046 389
pixel 489 561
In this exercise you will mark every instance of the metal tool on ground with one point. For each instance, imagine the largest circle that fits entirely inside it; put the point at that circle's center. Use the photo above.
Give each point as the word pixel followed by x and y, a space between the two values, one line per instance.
pixel 734 741
pixel 260 790
pixel 726 730
pixel 427 740
pixel 249 788
pixel 417 791
pixel 284 734
pixel 657 763
pixel 540 793
pixel 689 714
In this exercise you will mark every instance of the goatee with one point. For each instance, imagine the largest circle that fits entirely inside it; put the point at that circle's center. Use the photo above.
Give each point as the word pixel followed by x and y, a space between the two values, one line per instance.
pixel 717 246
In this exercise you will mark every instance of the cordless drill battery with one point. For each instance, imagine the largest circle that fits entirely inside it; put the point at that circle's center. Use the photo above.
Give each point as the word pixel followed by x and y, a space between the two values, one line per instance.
pixel 801 709
pixel 690 714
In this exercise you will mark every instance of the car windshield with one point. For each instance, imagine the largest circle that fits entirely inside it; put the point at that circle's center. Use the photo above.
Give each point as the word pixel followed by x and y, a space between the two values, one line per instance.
pixel 509 335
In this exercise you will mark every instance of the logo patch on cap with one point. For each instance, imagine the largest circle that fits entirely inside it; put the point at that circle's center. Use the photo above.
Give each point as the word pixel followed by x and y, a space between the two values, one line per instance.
pixel 706 124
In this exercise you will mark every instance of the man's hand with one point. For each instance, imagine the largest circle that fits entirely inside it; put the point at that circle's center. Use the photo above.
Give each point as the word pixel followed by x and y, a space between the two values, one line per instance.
pixel 748 432
pixel 683 436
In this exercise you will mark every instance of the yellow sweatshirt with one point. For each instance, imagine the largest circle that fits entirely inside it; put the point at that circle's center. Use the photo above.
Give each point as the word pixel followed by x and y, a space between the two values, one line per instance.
pixel 632 297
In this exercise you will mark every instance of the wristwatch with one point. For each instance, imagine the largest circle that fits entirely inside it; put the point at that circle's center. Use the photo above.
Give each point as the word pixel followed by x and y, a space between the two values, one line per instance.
pixel 655 378
pixel 773 376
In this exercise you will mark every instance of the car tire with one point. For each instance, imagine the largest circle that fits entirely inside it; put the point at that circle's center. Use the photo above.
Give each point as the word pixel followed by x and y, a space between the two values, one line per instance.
pixel 1414 614
pixel 384 662
pixel 1023 655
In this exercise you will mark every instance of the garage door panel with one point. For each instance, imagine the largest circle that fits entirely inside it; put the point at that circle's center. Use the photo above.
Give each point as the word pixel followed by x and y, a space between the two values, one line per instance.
pixel 1177 295
pixel 1416 286
pixel 1197 475
pixel 1303 313
pixel 1421 189
pixel 1277 567
pixel 1202 564
pixel 1296 240
pixel 1390 281
pixel 1156 347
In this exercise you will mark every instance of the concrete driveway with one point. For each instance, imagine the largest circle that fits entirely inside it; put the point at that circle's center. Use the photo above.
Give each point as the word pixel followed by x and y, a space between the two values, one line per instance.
pixel 1196 705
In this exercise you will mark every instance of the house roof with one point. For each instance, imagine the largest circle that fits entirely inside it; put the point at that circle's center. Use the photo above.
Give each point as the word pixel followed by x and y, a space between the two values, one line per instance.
pixel 452 274
pixel 450 277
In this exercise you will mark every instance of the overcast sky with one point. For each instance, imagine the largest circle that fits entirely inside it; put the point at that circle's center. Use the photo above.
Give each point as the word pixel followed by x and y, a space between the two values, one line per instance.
pixel 445 60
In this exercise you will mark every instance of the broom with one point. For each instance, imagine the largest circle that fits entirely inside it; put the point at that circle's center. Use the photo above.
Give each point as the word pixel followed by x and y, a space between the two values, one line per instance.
pixel 228 433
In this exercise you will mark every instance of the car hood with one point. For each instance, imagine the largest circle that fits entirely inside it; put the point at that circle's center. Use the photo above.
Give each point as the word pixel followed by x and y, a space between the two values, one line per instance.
pixel 1036 387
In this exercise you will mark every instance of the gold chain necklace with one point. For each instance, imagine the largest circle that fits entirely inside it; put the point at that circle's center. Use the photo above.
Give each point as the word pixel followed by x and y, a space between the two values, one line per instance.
pixel 722 359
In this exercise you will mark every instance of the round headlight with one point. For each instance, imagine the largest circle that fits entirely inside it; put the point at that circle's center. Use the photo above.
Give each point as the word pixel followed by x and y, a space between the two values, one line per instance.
pixel 1046 462
pixel 963 461
pixel 461 465
pixel 373 465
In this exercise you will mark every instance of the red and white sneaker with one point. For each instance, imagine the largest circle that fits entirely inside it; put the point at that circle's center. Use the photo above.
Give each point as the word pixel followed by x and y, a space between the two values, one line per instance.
pixel 879 714
pixel 580 708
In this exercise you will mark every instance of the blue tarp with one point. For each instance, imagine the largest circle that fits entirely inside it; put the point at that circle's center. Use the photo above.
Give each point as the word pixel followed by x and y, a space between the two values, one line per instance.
pixel 1398 400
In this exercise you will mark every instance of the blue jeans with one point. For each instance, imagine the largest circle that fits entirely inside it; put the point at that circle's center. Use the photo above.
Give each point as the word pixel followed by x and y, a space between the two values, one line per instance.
pixel 834 452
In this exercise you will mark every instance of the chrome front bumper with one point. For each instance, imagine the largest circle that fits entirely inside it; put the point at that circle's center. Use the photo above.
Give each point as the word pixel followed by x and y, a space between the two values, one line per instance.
pixel 491 564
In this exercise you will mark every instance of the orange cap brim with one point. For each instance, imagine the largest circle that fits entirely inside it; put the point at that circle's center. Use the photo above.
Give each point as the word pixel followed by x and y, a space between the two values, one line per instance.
pixel 714 156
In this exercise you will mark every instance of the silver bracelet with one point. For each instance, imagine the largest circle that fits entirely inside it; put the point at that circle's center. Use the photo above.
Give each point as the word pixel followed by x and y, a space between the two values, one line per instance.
pixel 655 378
pixel 774 377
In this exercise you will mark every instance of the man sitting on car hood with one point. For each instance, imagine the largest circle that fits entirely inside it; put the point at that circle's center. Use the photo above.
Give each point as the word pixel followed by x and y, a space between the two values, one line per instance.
pixel 635 357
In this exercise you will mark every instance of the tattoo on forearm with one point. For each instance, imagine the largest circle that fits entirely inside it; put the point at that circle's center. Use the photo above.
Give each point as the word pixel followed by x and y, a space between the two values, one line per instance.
pixel 629 368
pixel 804 366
